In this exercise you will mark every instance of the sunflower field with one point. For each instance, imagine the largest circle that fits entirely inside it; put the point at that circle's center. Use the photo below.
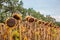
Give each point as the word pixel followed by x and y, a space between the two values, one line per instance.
pixel 30 28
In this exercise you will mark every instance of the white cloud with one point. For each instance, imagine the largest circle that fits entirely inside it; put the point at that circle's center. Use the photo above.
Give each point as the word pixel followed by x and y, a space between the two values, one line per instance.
pixel 57 18
pixel 46 12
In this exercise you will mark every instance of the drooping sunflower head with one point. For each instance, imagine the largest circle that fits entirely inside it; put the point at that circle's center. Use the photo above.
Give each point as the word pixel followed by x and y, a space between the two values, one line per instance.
pixel 26 18
pixel 39 21
pixel 17 16
pixel 29 19
pixel 43 22
pixel 11 22
pixel 46 23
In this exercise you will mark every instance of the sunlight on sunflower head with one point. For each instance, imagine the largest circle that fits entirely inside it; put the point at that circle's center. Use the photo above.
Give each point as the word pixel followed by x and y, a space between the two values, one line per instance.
pixel 11 22
pixel 29 19
pixel 39 21
pixel 17 16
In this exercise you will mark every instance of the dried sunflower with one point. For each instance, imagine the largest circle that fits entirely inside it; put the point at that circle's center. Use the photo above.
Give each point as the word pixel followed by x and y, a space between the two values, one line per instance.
pixel 46 23
pixel 11 23
pixel 29 18
pixel 17 16
pixel 39 22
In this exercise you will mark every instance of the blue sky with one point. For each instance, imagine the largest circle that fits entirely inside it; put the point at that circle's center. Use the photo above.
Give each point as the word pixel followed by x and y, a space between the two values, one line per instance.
pixel 45 7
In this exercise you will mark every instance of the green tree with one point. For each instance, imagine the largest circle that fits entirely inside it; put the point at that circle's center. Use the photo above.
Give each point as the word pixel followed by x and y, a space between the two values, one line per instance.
pixel 21 3
pixel 9 7
pixel 50 19
pixel 30 11
pixel 57 23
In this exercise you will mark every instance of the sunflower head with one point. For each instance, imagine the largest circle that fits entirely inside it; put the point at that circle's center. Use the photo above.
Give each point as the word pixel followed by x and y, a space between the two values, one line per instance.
pixel 29 19
pixel 11 22
pixel 26 18
pixel 39 22
pixel 43 22
pixel 46 23
pixel 17 16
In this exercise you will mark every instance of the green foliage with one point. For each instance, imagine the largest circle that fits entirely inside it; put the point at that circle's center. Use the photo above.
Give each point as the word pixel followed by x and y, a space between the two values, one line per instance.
pixel 8 7
pixel 57 23
pixel 49 18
